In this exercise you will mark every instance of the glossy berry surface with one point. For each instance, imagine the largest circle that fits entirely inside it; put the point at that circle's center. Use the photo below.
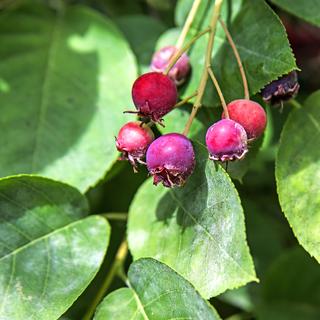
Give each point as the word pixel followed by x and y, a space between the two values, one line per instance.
pixel 250 115
pixel 226 140
pixel 132 141
pixel 170 159
pixel 154 95
pixel 180 70
pixel 282 89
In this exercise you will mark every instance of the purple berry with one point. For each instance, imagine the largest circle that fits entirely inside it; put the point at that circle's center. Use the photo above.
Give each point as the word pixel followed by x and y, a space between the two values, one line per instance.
pixel 154 95
pixel 170 159
pixel 132 141
pixel 226 141
pixel 179 71
pixel 282 89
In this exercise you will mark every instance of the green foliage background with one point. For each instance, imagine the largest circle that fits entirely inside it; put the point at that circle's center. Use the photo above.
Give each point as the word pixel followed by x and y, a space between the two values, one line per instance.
pixel 242 244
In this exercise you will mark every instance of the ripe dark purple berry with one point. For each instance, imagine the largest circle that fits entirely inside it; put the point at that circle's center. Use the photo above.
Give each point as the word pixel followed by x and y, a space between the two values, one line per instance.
pixel 132 141
pixel 282 89
pixel 179 72
pixel 154 95
pixel 226 141
pixel 250 115
pixel 170 159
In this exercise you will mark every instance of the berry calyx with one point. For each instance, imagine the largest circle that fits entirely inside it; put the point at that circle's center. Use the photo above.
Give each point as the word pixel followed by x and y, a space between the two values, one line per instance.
pixel 226 140
pixel 170 159
pixel 282 89
pixel 250 115
pixel 154 95
pixel 132 141
pixel 180 70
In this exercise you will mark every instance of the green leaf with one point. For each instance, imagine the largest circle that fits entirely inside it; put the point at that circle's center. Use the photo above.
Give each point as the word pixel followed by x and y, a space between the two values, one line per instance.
pixel 260 38
pixel 198 230
pixel 68 79
pixel 142 46
pixel 49 252
pixel 156 292
pixel 291 288
pixel 308 11
pixel 298 172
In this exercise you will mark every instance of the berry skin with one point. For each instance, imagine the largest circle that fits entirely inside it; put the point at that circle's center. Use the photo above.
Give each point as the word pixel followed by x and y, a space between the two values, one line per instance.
pixel 250 115
pixel 133 140
pixel 170 160
pixel 154 95
pixel 226 140
pixel 179 72
pixel 282 89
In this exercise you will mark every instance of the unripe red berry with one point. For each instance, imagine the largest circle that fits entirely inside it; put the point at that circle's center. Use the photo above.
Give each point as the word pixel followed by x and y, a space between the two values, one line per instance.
pixel 154 95
pixel 250 115
pixel 132 141
pixel 282 89
pixel 180 70
pixel 170 159
pixel 226 140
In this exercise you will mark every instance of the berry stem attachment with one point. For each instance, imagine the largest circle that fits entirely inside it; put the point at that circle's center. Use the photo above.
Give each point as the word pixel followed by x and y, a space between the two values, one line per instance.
pixel 182 102
pixel 188 23
pixel 216 84
pixel 178 54
pixel 237 56
pixel 204 77
pixel 115 270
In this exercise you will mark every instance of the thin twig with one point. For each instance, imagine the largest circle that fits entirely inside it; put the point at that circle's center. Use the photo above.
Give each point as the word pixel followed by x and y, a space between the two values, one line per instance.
pixel 178 54
pixel 204 77
pixel 216 84
pixel 115 268
pixel 182 102
pixel 188 23
pixel 121 216
pixel 237 56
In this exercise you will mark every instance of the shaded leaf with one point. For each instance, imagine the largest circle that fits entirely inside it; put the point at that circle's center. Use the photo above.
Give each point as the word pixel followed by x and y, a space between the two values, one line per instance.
pixel 142 45
pixel 260 38
pixel 66 90
pixel 197 230
pixel 48 253
pixel 308 11
pixel 298 173
pixel 291 288
pixel 156 292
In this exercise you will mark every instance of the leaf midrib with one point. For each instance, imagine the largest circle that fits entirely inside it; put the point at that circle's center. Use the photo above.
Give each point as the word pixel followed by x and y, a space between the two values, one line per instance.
pixel 44 237
pixel 52 49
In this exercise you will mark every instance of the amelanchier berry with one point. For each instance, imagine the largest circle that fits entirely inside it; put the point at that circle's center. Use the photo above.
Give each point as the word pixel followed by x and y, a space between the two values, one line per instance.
pixel 154 95
pixel 132 141
pixel 180 70
pixel 250 115
pixel 282 89
pixel 170 159
pixel 226 140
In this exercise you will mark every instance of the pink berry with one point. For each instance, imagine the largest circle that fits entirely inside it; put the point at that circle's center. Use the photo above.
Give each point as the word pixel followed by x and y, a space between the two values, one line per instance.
pixel 226 141
pixel 171 159
pixel 133 140
pixel 179 72
pixel 154 95
pixel 250 115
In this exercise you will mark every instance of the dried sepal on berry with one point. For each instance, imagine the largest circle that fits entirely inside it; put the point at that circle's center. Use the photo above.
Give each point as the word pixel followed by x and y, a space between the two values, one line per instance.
pixel 171 160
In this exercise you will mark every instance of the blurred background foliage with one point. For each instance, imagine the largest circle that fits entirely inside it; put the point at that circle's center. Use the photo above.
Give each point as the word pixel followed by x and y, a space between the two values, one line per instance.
pixel 282 292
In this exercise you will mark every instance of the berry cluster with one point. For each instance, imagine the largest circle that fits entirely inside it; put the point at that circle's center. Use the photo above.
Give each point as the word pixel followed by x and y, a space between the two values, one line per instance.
pixel 170 159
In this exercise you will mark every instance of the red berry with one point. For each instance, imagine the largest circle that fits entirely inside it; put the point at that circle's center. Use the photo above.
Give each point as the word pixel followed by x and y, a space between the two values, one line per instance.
pixel 226 140
pixel 154 95
pixel 250 115
pixel 179 72
pixel 170 159
pixel 133 140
